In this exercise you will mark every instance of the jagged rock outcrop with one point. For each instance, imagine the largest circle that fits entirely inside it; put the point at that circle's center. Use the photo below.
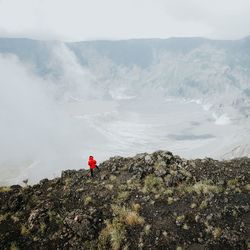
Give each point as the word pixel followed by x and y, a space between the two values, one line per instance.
pixel 150 201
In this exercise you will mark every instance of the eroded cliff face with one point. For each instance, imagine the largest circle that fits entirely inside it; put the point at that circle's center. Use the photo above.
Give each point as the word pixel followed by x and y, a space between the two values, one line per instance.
pixel 150 201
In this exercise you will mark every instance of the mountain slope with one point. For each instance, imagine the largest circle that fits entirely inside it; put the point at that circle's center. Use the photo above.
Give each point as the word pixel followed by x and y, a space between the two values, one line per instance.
pixel 150 201
pixel 181 67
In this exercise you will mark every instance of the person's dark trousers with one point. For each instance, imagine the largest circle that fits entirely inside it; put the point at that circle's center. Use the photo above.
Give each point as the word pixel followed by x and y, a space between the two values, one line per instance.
pixel 92 172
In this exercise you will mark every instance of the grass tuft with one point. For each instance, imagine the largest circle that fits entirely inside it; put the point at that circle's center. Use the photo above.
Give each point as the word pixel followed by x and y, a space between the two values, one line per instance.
pixel 147 229
pixel 43 227
pixel 3 217
pixel 114 232
pixel 204 187
pixel 122 196
pixel 152 184
pixel 88 200
pixel 133 218
pixel 24 230
pixel 5 189
pixel 217 232
pixel 13 246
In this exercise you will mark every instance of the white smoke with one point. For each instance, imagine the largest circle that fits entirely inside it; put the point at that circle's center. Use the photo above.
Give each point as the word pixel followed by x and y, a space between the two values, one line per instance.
pixel 39 136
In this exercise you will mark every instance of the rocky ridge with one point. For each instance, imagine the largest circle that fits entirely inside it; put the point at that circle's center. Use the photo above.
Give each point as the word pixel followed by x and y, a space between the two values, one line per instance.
pixel 149 201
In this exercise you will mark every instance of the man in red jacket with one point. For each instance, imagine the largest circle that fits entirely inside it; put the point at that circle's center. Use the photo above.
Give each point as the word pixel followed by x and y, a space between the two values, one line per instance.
pixel 92 165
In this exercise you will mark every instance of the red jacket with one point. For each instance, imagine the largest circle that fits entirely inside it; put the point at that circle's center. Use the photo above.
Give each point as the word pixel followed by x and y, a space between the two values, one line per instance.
pixel 92 162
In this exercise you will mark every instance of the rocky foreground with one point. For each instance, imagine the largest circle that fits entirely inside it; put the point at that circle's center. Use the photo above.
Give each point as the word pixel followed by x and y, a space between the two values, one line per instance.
pixel 150 201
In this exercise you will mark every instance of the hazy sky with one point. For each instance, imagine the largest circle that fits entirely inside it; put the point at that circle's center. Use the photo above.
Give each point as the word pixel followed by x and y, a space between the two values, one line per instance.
pixel 119 19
